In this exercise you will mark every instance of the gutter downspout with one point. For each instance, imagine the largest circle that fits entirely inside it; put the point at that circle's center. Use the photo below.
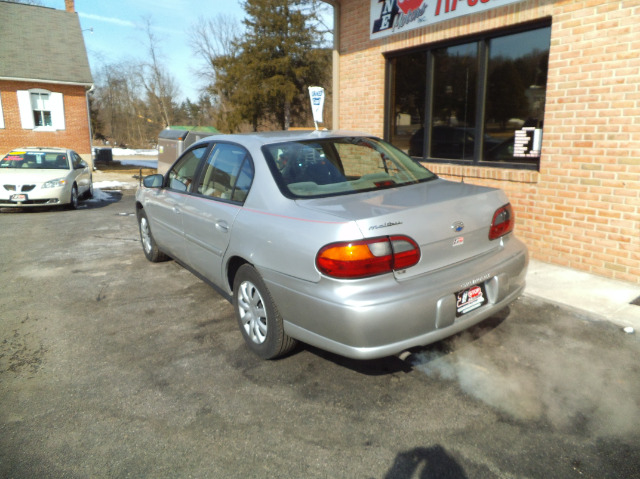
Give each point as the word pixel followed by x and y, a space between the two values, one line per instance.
pixel 86 96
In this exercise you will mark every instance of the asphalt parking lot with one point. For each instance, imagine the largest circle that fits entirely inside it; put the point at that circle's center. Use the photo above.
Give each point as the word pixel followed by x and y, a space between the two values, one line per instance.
pixel 111 366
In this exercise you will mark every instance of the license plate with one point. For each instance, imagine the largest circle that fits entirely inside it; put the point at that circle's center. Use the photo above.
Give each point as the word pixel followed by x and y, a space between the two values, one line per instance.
pixel 18 197
pixel 470 299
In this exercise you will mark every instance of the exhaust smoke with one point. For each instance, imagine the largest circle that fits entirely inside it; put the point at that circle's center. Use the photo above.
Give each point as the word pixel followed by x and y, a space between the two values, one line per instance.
pixel 533 372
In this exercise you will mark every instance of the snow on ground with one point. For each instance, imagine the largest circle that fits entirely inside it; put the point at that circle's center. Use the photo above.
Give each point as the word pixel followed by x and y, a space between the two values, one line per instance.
pixel 114 185
pixel 132 152
pixel 98 195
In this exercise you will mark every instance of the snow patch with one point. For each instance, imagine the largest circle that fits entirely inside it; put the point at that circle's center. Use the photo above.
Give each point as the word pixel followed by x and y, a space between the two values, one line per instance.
pixel 132 152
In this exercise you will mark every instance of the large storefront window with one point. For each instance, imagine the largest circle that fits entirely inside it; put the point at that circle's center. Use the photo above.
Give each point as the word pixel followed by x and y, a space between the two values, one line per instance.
pixel 454 102
pixel 408 92
pixel 516 90
pixel 481 102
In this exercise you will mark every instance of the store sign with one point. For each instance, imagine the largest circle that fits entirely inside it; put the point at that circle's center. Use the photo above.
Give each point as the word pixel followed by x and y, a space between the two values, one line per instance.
pixel 389 17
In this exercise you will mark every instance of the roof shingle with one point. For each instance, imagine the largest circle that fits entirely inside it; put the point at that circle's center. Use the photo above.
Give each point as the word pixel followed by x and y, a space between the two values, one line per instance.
pixel 39 43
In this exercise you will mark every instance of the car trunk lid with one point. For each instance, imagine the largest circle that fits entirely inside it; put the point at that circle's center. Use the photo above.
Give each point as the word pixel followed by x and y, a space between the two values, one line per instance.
pixel 450 221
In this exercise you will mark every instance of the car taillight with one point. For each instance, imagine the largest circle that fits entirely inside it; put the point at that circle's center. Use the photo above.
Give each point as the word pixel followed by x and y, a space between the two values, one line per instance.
pixel 503 222
pixel 369 257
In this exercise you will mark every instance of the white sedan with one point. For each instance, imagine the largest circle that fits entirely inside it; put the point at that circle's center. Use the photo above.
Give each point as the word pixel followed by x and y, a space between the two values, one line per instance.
pixel 43 177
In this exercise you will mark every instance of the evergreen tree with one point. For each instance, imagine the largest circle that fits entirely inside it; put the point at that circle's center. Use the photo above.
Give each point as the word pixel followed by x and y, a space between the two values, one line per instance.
pixel 273 63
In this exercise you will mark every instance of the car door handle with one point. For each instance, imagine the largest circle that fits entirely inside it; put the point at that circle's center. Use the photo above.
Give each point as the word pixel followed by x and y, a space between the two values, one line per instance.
pixel 176 210
pixel 222 226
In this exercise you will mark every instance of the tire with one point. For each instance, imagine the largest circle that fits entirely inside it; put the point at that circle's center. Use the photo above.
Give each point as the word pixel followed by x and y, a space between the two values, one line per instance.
pixel 149 246
pixel 258 317
pixel 73 199
pixel 89 193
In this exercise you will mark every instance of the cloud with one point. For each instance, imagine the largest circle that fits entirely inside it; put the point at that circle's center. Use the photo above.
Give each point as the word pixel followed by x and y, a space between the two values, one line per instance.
pixel 113 20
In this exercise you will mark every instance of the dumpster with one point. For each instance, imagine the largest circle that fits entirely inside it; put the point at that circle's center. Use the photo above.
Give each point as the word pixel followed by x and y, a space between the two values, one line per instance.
pixel 103 155
pixel 174 140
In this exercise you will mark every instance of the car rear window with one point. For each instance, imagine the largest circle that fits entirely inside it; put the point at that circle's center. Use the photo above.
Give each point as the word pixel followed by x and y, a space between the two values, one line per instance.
pixel 339 166
pixel 36 160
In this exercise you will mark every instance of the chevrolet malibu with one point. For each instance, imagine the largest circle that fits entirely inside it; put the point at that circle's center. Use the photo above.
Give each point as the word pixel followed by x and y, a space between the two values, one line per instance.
pixel 335 239
pixel 43 177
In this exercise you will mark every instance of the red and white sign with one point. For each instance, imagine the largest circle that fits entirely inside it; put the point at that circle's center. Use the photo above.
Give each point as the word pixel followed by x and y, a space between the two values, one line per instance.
pixel 389 17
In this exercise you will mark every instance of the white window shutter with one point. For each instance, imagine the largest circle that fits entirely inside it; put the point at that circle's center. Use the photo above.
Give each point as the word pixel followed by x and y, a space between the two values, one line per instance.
pixel 26 113
pixel 57 111
pixel 1 114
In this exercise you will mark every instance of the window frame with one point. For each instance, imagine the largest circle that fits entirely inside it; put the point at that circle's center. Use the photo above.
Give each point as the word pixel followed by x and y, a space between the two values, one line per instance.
pixel 482 39
pixel 41 107
pixel 26 110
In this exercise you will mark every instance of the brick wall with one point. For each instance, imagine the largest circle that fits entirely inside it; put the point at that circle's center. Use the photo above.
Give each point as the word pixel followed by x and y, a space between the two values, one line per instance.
pixel 75 135
pixel 582 209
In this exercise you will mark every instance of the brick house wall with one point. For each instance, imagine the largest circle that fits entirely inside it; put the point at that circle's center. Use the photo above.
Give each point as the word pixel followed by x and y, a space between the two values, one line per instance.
pixel 582 208
pixel 76 134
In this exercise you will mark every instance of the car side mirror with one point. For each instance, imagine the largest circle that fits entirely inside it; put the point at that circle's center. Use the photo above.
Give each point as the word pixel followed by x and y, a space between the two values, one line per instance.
pixel 153 181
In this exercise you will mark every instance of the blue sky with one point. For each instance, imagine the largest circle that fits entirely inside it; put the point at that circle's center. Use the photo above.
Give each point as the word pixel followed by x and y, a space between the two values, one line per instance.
pixel 119 32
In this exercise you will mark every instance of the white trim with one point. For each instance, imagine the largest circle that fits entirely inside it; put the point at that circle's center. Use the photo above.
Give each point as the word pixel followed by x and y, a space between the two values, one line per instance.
pixel 48 82
pixel 1 114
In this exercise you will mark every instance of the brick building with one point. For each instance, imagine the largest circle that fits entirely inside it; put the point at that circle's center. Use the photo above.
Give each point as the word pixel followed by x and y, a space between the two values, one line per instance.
pixel 538 97
pixel 44 79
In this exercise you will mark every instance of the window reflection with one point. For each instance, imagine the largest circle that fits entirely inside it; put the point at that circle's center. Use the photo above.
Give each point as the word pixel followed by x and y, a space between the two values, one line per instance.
pixel 516 90
pixel 454 102
pixel 408 92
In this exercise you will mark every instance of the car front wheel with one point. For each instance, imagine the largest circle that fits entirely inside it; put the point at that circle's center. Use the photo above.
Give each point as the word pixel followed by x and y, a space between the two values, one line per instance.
pixel 258 316
pixel 89 193
pixel 149 246
pixel 73 199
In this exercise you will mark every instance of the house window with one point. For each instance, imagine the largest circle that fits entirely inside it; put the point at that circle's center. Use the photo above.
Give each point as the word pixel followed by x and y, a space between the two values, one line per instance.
pixel 480 101
pixel 41 106
pixel 41 110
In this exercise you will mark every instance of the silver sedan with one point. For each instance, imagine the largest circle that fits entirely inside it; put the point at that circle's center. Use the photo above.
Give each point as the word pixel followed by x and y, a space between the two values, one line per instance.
pixel 335 239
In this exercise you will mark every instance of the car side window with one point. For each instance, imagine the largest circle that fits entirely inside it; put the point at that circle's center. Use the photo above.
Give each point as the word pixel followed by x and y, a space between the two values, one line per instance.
pixel 243 184
pixel 77 161
pixel 227 173
pixel 183 172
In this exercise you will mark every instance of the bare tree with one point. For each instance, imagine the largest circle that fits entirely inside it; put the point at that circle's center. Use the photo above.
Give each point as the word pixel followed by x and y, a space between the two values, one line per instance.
pixel 212 38
pixel 213 41
pixel 160 86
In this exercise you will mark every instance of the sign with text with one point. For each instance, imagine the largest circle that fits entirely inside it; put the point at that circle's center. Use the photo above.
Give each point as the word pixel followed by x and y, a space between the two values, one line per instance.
pixel 527 143
pixel 317 103
pixel 389 17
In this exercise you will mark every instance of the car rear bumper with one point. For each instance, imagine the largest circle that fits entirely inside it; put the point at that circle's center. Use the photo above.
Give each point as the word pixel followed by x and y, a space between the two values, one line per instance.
pixel 381 316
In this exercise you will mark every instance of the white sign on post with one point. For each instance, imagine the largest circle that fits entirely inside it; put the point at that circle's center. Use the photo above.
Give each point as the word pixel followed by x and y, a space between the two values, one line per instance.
pixel 317 103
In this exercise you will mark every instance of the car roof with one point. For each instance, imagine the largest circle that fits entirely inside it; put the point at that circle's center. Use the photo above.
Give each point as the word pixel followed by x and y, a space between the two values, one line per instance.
pixel 258 139
pixel 39 148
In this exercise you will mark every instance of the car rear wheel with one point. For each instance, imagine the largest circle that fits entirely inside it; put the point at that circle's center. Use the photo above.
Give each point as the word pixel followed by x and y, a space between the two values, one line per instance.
pixel 258 316
pixel 149 246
